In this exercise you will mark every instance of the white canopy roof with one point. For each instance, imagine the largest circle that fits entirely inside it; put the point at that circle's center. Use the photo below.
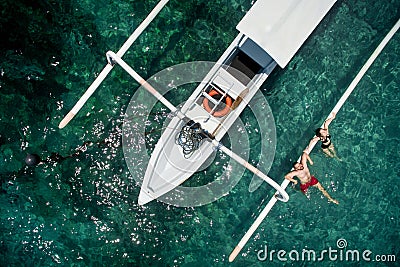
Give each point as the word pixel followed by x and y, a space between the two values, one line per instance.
pixel 280 27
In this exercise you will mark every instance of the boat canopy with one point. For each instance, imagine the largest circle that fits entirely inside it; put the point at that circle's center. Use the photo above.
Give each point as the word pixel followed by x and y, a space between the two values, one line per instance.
pixel 281 27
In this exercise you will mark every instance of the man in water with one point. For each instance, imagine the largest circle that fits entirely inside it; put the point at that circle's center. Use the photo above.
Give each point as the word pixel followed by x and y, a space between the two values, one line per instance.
pixel 306 180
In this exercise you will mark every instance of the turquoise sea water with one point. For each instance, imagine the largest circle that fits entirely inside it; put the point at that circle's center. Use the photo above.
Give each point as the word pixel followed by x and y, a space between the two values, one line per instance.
pixel 82 211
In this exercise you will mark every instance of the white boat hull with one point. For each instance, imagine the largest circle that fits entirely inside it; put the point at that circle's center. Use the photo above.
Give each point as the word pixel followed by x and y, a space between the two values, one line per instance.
pixel 168 167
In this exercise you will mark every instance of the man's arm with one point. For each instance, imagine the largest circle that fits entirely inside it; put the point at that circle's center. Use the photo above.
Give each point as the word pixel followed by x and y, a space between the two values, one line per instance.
pixel 304 158
pixel 309 159
pixel 322 189
pixel 312 143
pixel 290 176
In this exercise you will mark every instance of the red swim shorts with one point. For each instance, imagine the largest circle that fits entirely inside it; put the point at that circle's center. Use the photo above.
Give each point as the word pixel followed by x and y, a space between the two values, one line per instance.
pixel 312 182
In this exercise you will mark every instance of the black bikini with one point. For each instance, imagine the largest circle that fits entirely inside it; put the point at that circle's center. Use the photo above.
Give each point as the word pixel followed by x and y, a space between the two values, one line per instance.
pixel 326 142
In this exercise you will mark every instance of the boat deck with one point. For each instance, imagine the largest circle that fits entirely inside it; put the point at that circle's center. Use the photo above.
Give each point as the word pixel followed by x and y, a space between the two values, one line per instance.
pixel 226 86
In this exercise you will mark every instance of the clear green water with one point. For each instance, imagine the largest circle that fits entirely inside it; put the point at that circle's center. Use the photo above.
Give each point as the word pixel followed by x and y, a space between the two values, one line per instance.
pixel 83 212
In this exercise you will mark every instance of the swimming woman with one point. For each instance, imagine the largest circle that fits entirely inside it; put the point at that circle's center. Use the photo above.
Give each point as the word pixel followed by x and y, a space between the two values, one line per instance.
pixel 323 135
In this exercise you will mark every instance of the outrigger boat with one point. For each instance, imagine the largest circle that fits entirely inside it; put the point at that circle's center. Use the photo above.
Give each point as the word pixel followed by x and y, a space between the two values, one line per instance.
pixel 269 35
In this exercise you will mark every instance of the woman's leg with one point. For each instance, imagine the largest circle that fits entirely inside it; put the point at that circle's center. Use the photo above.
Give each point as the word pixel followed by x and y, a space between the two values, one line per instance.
pixel 328 152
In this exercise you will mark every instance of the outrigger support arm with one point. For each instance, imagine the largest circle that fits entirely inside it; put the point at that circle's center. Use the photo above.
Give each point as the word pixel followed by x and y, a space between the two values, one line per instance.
pixel 113 58
pixel 281 195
